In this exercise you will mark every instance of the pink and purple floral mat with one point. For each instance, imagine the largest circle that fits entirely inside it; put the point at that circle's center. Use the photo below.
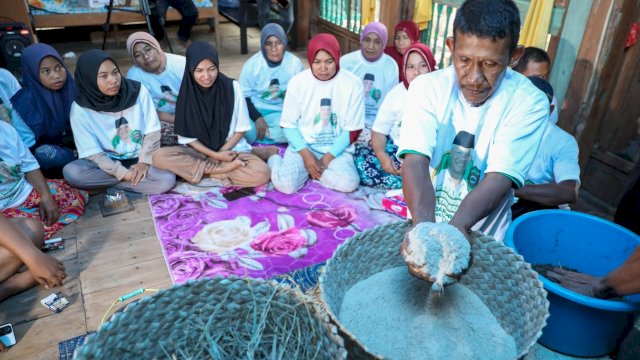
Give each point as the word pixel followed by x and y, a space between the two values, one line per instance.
pixel 261 236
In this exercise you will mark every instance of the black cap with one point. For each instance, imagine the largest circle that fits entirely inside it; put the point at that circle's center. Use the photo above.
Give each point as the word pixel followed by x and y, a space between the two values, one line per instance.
pixel 274 82
pixel 325 102
pixel 464 139
pixel 121 122
pixel 369 77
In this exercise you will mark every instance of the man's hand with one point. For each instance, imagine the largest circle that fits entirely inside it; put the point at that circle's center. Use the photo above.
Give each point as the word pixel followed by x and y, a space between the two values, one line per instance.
pixel 49 212
pixel 312 164
pixel 326 160
pixel 414 269
pixel 261 128
pixel 387 164
pixel 46 270
pixel 138 172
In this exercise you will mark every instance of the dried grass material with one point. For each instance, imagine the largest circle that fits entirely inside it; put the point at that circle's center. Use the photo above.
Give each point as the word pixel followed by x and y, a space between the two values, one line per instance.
pixel 267 328
pixel 220 318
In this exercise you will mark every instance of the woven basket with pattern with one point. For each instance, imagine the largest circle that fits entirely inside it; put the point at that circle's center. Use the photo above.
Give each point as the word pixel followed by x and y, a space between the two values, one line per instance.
pixel 151 328
pixel 498 276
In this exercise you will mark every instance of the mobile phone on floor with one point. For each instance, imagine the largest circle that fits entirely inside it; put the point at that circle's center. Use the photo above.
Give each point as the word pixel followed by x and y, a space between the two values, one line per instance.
pixel 239 193
pixel 7 336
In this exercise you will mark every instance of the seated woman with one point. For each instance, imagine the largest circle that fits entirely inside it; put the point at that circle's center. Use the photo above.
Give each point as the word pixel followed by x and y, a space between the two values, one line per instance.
pixel 20 242
pixel 323 106
pixel 44 104
pixel 264 80
pixel 211 118
pixel 9 86
pixel 377 71
pixel 161 74
pixel 378 165
pixel 24 192
pixel 406 34
pixel 116 130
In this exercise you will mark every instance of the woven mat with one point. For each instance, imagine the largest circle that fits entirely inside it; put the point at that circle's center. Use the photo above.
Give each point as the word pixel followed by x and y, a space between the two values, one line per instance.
pixel 203 234
pixel 67 347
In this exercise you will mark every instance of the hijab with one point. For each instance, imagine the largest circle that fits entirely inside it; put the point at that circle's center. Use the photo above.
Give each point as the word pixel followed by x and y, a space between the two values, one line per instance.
pixel 202 113
pixel 413 31
pixel 272 29
pixel 90 96
pixel 427 56
pixel 326 42
pixel 143 37
pixel 45 111
pixel 379 29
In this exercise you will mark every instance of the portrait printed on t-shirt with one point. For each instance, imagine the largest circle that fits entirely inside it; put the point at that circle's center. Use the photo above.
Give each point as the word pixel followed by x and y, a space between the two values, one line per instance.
pixel 325 124
pixel 127 142
pixel 455 176
pixel 273 93
pixel 168 101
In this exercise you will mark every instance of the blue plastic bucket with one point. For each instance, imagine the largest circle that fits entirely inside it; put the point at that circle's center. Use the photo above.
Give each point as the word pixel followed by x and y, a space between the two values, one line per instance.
pixel 578 325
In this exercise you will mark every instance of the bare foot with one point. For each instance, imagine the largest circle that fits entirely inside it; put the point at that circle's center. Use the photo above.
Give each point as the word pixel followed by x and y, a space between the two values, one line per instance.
pixel 266 152
pixel 16 284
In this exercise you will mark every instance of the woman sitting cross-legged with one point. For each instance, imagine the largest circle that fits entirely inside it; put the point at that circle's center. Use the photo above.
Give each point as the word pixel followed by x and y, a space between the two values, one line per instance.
pixel 44 104
pixel 264 80
pixel 24 192
pixel 211 118
pixel 378 165
pixel 116 129
pixel 323 107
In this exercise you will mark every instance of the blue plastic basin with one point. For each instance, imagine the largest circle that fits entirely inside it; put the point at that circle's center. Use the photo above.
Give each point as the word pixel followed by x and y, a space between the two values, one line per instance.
pixel 578 325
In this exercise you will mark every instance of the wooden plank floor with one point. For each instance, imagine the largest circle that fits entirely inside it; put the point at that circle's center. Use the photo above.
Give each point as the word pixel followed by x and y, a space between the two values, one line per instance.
pixel 105 257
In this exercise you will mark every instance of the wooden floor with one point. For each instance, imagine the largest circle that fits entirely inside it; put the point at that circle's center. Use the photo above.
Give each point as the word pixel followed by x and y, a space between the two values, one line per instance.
pixel 105 257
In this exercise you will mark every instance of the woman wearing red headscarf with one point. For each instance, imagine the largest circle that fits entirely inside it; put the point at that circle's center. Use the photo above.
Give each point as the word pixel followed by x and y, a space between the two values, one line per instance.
pixel 377 165
pixel 406 33
pixel 323 105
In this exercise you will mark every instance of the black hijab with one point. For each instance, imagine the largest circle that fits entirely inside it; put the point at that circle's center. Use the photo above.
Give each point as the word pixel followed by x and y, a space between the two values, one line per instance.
pixel 89 95
pixel 202 113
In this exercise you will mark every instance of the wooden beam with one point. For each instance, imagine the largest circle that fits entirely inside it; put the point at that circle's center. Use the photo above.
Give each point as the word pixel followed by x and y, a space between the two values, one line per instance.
pixel 303 15
pixel 390 16
pixel 609 66
pixel 572 33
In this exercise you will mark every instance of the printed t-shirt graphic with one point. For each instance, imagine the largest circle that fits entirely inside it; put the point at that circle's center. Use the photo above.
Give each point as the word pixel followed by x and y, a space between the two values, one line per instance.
pixel 325 125
pixel 371 96
pixel 274 93
pixel 127 142
pixel 455 176
pixel 168 101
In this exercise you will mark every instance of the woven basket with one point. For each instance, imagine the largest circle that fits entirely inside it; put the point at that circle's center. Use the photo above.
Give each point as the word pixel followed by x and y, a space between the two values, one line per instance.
pixel 498 276
pixel 150 328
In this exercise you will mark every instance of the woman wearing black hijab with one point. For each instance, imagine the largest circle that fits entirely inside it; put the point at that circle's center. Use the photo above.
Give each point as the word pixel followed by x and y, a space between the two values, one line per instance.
pixel 211 119
pixel 116 130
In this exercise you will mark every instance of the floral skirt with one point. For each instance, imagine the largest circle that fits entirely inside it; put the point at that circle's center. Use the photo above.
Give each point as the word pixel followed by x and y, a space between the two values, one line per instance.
pixel 71 203
pixel 370 171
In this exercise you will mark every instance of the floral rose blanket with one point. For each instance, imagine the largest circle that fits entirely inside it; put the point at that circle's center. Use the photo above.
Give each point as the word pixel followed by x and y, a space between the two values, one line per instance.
pixel 261 236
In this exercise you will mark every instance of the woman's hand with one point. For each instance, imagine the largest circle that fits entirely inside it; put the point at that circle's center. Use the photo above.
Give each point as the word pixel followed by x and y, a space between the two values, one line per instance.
pixel 137 173
pixel 261 128
pixel 387 164
pixel 226 156
pixel 326 160
pixel 49 212
pixel 312 164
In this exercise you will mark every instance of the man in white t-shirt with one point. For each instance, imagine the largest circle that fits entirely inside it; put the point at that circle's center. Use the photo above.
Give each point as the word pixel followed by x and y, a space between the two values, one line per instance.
pixel 502 113
pixel 554 177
